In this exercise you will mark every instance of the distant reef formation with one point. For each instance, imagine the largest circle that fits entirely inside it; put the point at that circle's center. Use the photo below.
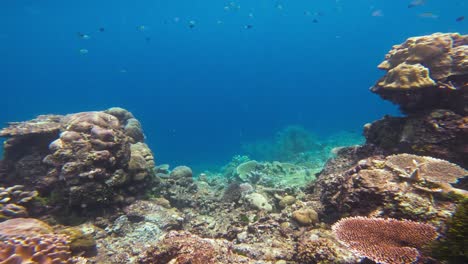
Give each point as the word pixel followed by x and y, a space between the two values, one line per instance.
pixel 401 197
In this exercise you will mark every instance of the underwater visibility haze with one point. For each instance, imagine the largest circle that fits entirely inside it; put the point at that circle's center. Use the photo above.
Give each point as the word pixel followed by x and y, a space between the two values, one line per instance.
pixel 243 71
pixel 208 132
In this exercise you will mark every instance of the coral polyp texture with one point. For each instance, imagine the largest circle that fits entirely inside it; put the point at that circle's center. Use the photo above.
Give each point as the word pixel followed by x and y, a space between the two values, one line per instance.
pixel 426 72
pixel 26 240
pixel 82 159
pixel 388 241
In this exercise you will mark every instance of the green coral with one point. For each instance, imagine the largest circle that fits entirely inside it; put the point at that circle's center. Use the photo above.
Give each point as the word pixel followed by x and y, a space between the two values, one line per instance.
pixel 454 246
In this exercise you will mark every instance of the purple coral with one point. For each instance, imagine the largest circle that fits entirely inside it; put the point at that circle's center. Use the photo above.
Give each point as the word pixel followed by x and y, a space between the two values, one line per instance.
pixel 384 240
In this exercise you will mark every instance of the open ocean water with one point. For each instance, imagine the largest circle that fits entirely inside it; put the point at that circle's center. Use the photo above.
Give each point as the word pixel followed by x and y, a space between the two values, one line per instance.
pixel 206 77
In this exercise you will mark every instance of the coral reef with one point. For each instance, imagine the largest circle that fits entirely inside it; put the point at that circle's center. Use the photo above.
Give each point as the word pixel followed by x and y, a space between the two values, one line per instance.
pixel 427 72
pixel 439 133
pixel 384 240
pixel 26 240
pixel 402 186
pixel 79 160
pixel 13 201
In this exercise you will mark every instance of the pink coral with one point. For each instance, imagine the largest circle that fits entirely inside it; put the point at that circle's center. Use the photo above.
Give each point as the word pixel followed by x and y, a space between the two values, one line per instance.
pixel 384 240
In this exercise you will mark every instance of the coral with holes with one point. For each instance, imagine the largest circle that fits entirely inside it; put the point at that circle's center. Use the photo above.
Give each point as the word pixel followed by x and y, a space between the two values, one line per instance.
pixel 387 241
pixel 27 240
pixel 426 72
pixel 80 160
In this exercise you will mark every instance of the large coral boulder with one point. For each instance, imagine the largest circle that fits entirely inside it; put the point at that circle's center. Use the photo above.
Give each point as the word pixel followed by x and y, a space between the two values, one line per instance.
pixel 402 186
pixel 83 159
pixel 427 72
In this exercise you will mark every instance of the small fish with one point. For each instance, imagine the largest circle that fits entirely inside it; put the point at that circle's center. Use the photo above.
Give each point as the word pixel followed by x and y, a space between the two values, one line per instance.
pixel 148 39
pixel 248 26
pixel 83 51
pixel 315 20
pixel 416 3
pixel 192 24
pixel 176 19
pixel 83 36
pixel 101 29
pixel 142 28
pixel 460 19
pixel 377 13
pixel 123 71
pixel 428 15
pixel 219 22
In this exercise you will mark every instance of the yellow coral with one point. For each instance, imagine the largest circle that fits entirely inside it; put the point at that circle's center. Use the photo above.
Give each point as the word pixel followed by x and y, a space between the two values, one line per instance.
pixel 407 76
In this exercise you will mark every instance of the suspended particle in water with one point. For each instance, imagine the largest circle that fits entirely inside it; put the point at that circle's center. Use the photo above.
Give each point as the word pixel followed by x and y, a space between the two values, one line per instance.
pixel 83 51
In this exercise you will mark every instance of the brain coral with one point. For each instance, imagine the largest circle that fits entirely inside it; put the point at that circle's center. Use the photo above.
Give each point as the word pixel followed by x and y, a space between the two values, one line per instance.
pixel 438 63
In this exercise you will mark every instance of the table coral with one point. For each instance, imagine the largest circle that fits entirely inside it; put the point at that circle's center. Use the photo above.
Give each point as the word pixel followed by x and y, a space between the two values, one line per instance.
pixel 79 160
pixel 387 241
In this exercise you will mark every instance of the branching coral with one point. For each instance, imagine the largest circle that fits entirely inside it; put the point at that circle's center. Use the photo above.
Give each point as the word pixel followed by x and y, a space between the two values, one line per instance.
pixel 384 240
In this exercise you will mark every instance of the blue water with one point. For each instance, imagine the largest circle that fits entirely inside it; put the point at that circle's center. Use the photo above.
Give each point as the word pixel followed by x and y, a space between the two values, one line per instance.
pixel 201 92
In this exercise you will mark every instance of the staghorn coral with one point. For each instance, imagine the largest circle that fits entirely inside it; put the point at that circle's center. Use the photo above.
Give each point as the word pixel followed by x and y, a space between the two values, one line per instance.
pixel 384 240
pixel 438 63
pixel 27 240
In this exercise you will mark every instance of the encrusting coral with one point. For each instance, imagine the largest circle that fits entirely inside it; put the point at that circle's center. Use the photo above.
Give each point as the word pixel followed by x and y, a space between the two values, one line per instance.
pixel 387 241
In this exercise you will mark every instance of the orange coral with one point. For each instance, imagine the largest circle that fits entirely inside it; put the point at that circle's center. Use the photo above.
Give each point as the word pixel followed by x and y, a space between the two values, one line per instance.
pixel 384 240
pixel 27 240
